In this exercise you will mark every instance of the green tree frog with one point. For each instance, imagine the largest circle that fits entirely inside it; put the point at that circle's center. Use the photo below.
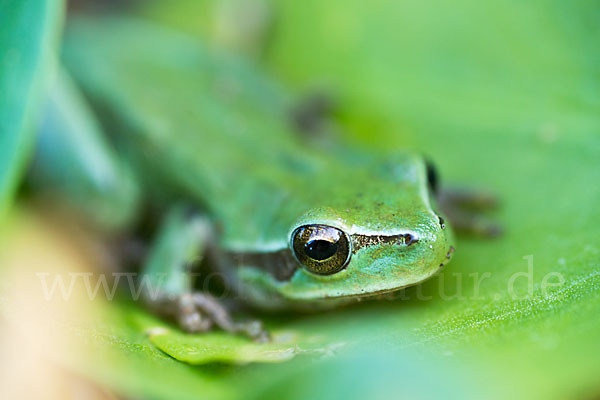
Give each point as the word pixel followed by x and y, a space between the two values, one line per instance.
pixel 204 139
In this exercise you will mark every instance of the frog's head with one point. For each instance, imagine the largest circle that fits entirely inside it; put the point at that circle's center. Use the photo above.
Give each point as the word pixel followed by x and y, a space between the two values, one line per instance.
pixel 373 240
pixel 339 260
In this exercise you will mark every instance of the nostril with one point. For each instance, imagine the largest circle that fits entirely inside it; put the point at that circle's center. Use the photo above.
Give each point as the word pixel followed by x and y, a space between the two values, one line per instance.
pixel 442 222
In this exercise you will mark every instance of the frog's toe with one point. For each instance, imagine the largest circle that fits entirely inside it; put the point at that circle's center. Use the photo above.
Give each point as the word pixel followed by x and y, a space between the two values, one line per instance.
pixel 254 329
pixel 194 322
pixel 464 208
pixel 475 225
pixel 212 308
pixel 189 318
pixel 468 198
pixel 482 227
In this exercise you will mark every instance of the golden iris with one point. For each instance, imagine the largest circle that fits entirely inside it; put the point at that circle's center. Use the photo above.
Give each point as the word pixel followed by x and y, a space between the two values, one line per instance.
pixel 321 249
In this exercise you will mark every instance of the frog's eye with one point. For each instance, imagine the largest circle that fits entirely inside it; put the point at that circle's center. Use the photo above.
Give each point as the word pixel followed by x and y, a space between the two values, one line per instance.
pixel 321 249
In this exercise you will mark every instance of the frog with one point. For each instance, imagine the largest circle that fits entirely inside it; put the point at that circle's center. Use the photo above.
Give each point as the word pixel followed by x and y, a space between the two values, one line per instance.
pixel 142 117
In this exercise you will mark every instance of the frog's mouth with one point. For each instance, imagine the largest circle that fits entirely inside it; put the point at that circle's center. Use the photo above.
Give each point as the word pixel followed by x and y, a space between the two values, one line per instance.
pixel 383 293
pixel 392 292
pixel 325 303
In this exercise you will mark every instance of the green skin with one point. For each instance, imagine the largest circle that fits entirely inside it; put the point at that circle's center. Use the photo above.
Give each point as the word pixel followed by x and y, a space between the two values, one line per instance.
pixel 210 131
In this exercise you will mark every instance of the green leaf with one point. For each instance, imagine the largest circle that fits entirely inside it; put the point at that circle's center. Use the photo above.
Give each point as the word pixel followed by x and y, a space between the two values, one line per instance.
pixel 222 347
pixel 110 345
pixel 501 94
pixel 218 347
pixel 28 32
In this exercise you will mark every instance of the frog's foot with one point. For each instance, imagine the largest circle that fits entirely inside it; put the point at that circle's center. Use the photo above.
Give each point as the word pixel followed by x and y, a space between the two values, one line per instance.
pixel 464 208
pixel 201 312
pixel 189 318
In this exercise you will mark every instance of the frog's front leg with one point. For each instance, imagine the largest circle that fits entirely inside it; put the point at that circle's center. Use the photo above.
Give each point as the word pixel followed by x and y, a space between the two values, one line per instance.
pixel 182 242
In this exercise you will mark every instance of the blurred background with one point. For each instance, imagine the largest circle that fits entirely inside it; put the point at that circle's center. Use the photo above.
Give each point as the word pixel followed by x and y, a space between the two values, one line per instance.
pixel 503 95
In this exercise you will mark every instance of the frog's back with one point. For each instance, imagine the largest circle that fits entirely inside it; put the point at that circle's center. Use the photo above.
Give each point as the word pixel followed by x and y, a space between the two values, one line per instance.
pixel 214 128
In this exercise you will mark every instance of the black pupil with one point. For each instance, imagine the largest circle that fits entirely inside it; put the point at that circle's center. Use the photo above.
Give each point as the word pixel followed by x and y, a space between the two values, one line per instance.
pixel 320 249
